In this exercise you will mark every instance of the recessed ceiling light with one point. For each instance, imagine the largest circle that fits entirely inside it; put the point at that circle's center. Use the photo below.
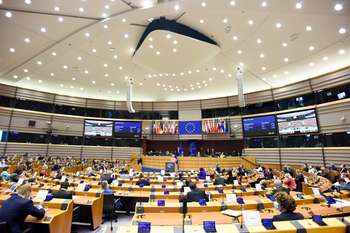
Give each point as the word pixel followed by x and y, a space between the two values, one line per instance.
pixel 325 58
pixel 43 29
pixel 141 84
pixel 61 85
pixel 264 4
pixel 225 20
pixel 12 50
pixel 274 76
pixel 174 41
pixel 201 21
pixel 105 65
pixel 151 46
pixel 262 55
pixel 27 40
pixel 239 51
pixel 87 34
pixel 82 88
pixel 28 1
pixel 131 50
pixel 299 5
pixel 79 58
pixel 123 20
pixel 39 62
pixel 259 41
pixel 8 14
pixel 203 4
pixel 174 50
pixel 65 67
pixel 150 39
pixel 52 74
pixel 28 78
pixel 104 15
pixel 25 70
pixel 285 59
pixel 60 19
pixel 311 64
pixel 286 72
pixel 214 68
pixel 278 25
pixel 112 84
pixel 73 78
pixel 115 56
pixel 222 71
pixel 308 28
pixel 93 82
pixel 342 30
pixel 56 8
pixel 106 75
pixel 105 26
pixel 120 67
pixel 284 44
pixel 338 7
pixel 158 84
pixel 157 52
pixel 0 2
pixel 241 64
pixel 232 3
pixel 53 53
pixel 15 76
pixel 126 36
pixel 311 48
pixel 341 51
pixel 168 36
pixel 109 42
pixel 81 9
pixel 94 50
pixel 176 7
pixel 250 22
pixel 106 6
pixel 235 38
pixel 263 68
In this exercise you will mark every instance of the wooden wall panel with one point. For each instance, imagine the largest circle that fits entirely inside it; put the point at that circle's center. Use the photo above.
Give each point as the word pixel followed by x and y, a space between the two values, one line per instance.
pixel 101 104
pixel 64 150
pixel 23 148
pixel 291 90
pixel 233 101
pixel 331 80
pixel 334 117
pixel 70 101
pixel 6 90
pixel 261 96
pixel 67 125
pixel 337 155
pixel 264 155
pixel 34 95
pixel 299 156
pixel 20 120
pixel 4 118
pixel 98 152
pixel 189 105
pixel 126 152
pixel 165 106
pixel 120 105
pixel 147 106
pixel 215 103
pixel 236 126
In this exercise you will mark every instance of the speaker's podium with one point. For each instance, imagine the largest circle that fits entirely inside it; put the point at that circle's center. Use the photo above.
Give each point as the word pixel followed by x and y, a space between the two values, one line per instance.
pixel 169 167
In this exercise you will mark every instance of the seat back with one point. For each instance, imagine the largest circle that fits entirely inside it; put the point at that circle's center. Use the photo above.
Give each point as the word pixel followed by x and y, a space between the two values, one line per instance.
pixel 108 203
pixel 4 227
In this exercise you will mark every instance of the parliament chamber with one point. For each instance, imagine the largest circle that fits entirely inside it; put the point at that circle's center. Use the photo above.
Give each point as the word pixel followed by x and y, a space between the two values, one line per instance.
pixel 174 116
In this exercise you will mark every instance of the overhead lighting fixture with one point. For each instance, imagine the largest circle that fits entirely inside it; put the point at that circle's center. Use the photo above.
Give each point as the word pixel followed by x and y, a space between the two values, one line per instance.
pixel 109 42
pixel 341 51
pixel 79 58
pixel 56 8
pixel 25 70
pixel 311 64
pixel 115 56
pixel 325 58
pixel 201 21
pixel 12 50
pixel 286 59
pixel 39 62
pixel 126 36
pixel 262 55
pixel 73 78
pixel 123 20
pixel 264 4
pixel 15 76
pixel 28 78
pixel 174 50
pixel 93 82
pixel 235 38
pixel 106 6
pixel 87 34
pixel 250 22
pixel 65 67
pixel 53 53
pixel 81 9
pixel 60 19
pixel 225 20
pixel 105 26
pixel 176 7
pixel 338 7
pixel 61 85
pixel 104 15
pixel 43 29
pixel 259 41
pixel 311 48
pixel 28 1
pixel 286 72
pixel 284 44
pixel 175 42
pixel 299 5
pixel 27 40
pixel 52 74
pixel 342 31
pixel 232 3
pixel 308 28
pixel 278 25
pixel 8 14
pixel 94 50
pixel 147 3
pixel 168 36
pixel 203 4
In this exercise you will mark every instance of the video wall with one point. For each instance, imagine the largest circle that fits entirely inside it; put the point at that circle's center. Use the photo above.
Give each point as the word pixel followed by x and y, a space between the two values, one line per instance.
pixel 300 122
pixel 118 129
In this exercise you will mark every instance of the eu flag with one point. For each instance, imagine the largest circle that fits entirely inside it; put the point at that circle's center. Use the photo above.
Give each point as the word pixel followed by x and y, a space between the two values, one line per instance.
pixel 190 127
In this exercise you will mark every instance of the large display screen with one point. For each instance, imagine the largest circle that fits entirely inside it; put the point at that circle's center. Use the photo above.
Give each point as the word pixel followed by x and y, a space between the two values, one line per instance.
pixel 190 127
pixel 98 128
pixel 297 122
pixel 165 127
pixel 214 126
pixel 127 129
pixel 259 126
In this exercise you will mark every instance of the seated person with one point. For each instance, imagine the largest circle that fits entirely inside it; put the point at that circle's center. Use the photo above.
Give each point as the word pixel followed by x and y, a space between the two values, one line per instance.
pixel 142 180
pixel 5 176
pixel 342 185
pixel 202 174
pixel 195 194
pixel 289 182
pixel 63 193
pixel 105 188
pixel 287 206
pixel 219 180
pixel 15 209
pixel 279 187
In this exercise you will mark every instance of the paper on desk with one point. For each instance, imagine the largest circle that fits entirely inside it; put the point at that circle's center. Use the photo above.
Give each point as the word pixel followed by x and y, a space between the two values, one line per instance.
pixel 232 213
pixel 235 182
pixel 162 172
pixel 341 203
pixel 231 197
pixel 251 217
pixel 42 194
pixel 258 187
pixel 63 178
pixel 207 178
pixel 316 191
pixel 20 181
pixel 81 187
pixel 187 190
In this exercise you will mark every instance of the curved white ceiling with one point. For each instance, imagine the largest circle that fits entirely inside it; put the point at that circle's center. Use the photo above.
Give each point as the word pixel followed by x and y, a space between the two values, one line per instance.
pixel 55 46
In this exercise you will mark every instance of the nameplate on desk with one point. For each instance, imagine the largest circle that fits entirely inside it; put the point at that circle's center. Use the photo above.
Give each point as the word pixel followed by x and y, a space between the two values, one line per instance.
pixel 235 183
pixel 251 217
pixel 42 194
pixel 258 187
pixel 316 191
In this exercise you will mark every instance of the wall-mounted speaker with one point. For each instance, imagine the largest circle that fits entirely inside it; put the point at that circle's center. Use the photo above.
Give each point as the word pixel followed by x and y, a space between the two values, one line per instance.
pixel 31 123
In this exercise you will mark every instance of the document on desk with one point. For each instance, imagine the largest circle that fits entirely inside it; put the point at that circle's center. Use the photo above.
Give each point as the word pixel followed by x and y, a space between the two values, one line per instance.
pixel 251 217
pixel 42 194
pixel 232 213
pixel 231 197
pixel 341 203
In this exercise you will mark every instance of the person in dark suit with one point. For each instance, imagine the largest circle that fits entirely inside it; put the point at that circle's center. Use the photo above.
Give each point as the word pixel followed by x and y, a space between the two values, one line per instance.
pixel 196 194
pixel 15 209
pixel 63 193
pixel 219 180
pixel 287 206
pixel 142 181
